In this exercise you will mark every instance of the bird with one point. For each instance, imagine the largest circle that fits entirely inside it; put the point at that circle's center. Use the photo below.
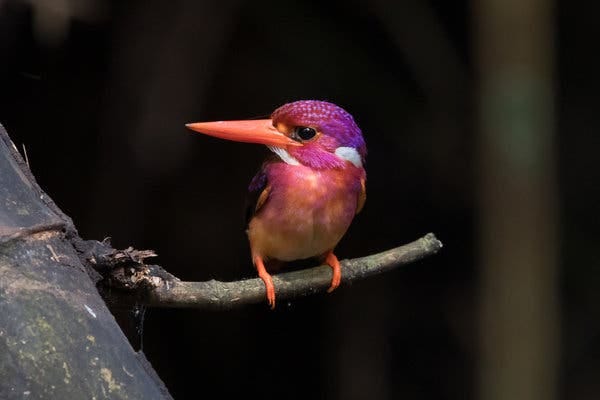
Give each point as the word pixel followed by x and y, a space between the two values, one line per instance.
pixel 306 194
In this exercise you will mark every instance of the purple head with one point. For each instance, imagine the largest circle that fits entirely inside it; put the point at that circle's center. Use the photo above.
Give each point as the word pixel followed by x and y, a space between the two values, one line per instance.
pixel 328 133
pixel 314 133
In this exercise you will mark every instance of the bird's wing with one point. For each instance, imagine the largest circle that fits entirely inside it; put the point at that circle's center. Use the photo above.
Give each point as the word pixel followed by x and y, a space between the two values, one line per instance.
pixel 362 195
pixel 258 192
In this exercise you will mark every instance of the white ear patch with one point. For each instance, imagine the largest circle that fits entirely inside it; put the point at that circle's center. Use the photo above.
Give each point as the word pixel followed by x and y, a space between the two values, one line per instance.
pixel 349 154
pixel 284 155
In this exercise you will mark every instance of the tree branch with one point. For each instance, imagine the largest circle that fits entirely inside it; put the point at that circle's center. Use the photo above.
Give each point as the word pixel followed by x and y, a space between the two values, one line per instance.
pixel 161 289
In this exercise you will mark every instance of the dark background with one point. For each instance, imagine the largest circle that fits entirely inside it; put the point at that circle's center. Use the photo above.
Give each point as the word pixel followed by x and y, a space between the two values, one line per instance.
pixel 98 93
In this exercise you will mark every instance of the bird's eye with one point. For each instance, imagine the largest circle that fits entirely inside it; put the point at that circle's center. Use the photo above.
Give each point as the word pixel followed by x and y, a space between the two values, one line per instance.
pixel 304 132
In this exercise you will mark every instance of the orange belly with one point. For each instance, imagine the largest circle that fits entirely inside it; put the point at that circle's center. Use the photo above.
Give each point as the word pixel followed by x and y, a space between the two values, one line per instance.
pixel 306 214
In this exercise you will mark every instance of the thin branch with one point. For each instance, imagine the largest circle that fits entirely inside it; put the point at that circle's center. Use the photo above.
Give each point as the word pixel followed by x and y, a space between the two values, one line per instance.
pixel 160 289
pixel 8 234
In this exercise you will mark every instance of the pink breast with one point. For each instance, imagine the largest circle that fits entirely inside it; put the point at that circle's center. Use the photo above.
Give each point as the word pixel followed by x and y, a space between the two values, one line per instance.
pixel 307 212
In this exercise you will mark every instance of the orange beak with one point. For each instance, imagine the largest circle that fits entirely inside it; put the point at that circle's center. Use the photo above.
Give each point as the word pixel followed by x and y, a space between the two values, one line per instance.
pixel 259 131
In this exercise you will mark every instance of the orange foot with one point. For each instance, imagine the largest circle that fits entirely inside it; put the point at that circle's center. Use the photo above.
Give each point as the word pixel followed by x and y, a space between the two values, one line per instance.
pixel 266 278
pixel 333 262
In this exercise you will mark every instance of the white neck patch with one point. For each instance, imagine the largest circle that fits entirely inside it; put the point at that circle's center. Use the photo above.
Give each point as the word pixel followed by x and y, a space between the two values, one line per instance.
pixel 284 155
pixel 349 154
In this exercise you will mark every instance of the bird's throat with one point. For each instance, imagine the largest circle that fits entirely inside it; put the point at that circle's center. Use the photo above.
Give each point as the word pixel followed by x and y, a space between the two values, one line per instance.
pixel 284 155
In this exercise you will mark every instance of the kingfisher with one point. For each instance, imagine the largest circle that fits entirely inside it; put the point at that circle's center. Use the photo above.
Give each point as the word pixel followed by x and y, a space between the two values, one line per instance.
pixel 306 194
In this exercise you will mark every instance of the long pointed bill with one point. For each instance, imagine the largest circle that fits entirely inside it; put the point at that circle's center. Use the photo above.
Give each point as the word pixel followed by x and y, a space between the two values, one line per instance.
pixel 259 131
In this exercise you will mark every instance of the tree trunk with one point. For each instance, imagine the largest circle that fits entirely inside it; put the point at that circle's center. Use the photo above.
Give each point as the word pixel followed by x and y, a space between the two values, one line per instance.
pixel 57 337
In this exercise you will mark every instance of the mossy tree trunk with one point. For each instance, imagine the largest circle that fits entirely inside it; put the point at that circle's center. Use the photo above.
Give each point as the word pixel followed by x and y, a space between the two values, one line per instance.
pixel 58 340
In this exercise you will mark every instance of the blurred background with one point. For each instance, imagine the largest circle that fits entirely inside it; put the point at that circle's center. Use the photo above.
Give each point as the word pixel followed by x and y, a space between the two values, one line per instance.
pixel 479 119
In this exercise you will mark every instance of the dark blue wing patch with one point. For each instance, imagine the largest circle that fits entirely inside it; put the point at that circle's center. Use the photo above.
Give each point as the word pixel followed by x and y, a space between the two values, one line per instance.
pixel 256 192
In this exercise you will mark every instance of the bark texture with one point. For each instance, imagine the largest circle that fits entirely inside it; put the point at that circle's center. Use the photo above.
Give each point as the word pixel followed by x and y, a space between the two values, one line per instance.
pixel 58 340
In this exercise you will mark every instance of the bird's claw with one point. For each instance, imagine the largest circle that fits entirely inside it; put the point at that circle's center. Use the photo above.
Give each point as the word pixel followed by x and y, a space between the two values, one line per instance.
pixel 270 288
pixel 336 271
pixel 268 281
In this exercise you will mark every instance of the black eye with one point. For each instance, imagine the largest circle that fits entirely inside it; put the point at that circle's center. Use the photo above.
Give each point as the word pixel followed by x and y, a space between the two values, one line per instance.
pixel 304 132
